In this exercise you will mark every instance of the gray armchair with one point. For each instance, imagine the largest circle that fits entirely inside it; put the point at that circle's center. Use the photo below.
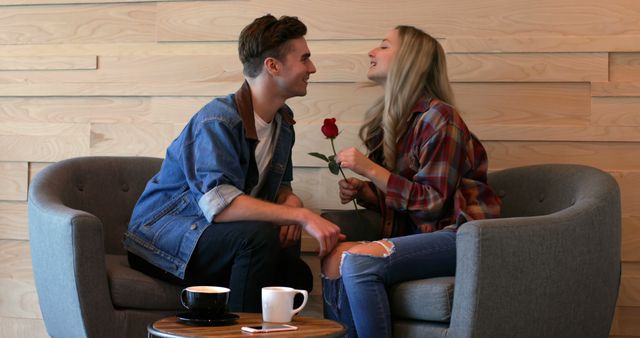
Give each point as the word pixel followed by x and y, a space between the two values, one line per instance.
pixel 549 267
pixel 78 212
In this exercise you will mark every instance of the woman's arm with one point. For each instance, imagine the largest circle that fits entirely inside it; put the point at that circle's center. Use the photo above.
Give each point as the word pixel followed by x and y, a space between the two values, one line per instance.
pixel 352 158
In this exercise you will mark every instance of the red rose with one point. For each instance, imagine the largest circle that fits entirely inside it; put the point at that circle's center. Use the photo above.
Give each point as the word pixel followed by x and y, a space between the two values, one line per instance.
pixel 329 128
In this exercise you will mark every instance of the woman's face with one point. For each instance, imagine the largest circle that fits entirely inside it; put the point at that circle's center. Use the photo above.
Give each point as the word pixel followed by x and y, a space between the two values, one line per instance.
pixel 382 56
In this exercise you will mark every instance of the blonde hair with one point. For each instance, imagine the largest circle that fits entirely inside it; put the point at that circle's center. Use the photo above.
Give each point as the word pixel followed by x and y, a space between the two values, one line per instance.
pixel 419 69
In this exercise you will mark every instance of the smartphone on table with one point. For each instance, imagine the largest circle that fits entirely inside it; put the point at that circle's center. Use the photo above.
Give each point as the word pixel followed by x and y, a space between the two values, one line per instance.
pixel 268 327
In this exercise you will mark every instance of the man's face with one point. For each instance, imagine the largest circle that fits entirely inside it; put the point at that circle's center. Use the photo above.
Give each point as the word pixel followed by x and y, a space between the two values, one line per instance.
pixel 296 68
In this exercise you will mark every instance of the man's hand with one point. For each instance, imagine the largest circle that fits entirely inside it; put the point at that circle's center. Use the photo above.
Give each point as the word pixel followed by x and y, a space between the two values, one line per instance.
pixel 326 233
pixel 290 234
pixel 246 208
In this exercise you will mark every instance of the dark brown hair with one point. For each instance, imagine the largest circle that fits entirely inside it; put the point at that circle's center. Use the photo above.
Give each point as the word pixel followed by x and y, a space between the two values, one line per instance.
pixel 267 37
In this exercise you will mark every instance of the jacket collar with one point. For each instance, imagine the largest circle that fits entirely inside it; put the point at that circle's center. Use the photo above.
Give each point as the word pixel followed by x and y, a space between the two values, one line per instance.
pixel 245 109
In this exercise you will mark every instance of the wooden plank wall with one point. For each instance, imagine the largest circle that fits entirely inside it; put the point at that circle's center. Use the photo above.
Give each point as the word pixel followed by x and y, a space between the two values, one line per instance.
pixel 542 81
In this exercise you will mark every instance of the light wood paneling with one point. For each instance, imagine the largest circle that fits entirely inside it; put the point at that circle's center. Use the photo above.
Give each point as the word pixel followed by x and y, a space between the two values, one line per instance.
pixel 557 133
pixel 543 43
pixel 347 102
pixel 13 220
pixel 604 155
pixel 629 294
pixel 78 23
pixel 507 104
pixel 496 18
pixel 118 89
pixel 45 143
pixel 615 111
pixel 71 2
pixel 13 181
pixel 628 182
pixel 17 287
pixel 130 139
pixel 18 327
pixel 615 89
pixel 625 321
pixel 229 48
pixel 568 67
pixel 176 110
pixel 154 69
pixel 631 237
pixel 48 62
pixel 513 67
pixel 77 110
pixel 545 67
pixel 624 67
pixel 160 69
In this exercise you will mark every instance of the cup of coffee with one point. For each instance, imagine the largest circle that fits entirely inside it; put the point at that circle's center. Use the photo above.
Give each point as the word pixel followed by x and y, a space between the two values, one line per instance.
pixel 212 300
pixel 277 303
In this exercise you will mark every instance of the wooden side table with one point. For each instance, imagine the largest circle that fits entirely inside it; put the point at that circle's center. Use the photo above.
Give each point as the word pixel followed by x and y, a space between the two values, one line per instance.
pixel 170 327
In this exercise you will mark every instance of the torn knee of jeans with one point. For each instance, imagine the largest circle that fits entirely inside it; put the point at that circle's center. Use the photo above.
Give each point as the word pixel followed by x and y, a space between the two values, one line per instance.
pixel 389 248
pixel 328 275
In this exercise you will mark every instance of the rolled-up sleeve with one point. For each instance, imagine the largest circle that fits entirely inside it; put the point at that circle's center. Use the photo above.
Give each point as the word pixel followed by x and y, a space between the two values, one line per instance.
pixel 216 164
pixel 216 199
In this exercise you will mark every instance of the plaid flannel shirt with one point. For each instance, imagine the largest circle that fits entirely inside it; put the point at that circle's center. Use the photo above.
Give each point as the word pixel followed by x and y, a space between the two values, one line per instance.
pixel 440 179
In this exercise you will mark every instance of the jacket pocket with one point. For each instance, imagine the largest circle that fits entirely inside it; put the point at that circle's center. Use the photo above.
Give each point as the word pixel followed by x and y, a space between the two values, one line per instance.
pixel 173 206
pixel 167 228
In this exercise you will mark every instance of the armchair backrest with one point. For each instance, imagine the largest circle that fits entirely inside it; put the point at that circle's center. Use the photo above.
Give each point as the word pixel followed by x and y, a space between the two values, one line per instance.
pixel 547 188
pixel 107 187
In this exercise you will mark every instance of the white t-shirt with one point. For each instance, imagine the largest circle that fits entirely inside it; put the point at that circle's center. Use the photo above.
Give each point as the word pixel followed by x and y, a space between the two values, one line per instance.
pixel 264 149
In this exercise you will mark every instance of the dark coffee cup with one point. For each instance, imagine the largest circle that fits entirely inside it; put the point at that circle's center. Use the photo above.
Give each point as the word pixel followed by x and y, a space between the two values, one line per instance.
pixel 212 300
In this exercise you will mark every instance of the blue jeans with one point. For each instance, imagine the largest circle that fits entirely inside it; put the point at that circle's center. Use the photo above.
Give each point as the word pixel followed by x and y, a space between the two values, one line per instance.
pixel 359 299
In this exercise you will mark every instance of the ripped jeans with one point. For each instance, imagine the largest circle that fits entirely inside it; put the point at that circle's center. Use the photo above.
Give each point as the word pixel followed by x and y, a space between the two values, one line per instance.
pixel 359 299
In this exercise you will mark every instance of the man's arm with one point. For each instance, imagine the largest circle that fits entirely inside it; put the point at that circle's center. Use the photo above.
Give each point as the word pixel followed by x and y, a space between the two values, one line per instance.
pixel 290 234
pixel 247 208
pixel 287 197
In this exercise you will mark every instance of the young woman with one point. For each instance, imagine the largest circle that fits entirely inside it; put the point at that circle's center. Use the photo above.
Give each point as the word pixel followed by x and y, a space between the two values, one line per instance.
pixel 427 175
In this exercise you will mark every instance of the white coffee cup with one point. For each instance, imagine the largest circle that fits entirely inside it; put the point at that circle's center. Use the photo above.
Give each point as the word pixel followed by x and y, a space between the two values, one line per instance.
pixel 277 303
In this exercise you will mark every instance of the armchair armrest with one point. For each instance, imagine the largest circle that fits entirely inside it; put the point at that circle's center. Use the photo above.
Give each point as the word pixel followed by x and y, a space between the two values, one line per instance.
pixel 67 249
pixel 527 272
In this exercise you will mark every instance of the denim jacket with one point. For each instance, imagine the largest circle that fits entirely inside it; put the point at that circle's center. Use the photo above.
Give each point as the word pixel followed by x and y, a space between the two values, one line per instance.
pixel 209 164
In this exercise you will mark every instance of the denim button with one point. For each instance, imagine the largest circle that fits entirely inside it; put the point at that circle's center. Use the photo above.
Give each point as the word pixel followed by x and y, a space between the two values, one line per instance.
pixel 194 226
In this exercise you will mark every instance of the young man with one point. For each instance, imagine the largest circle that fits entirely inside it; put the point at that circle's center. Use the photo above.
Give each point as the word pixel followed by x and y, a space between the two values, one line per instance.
pixel 221 210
